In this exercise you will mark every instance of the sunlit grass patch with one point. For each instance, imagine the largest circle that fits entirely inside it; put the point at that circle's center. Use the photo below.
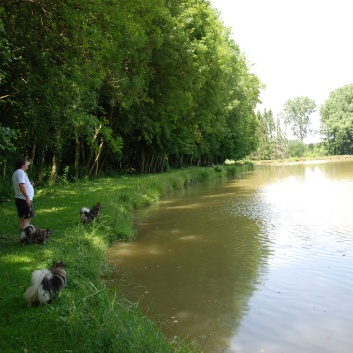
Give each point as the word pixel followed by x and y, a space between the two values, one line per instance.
pixel 52 209
pixel 15 258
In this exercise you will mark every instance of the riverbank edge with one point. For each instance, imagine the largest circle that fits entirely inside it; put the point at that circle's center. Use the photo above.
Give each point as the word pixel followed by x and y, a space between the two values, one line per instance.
pixel 90 316
pixel 302 160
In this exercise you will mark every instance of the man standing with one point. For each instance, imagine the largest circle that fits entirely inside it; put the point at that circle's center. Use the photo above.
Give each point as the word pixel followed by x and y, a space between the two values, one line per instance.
pixel 24 193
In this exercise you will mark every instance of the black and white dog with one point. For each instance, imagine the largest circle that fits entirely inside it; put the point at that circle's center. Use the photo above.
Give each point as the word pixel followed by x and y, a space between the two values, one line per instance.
pixel 46 284
pixel 34 235
pixel 92 214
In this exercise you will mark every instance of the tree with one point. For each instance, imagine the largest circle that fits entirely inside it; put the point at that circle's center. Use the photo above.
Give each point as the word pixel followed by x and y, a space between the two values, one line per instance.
pixel 273 142
pixel 337 120
pixel 296 113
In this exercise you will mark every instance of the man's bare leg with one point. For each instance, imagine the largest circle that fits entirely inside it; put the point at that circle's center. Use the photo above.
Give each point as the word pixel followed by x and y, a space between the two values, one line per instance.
pixel 23 223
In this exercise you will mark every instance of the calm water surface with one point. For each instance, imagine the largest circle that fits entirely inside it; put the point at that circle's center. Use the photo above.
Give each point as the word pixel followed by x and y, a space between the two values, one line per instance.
pixel 259 263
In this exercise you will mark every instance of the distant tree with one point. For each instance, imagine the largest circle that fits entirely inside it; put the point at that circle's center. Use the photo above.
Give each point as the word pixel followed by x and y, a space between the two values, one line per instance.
pixel 280 143
pixel 296 148
pixel 337 120
pixel 296 114
pixel 266 129
pixel 273 142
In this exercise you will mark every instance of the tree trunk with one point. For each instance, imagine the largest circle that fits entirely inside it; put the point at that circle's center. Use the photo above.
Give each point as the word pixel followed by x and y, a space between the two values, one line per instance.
pixel 56 157
pixel 181 160
pixel 77 155
pixel 33 155
pixel 39 166
pixel 151 163
pixel 4 168
pixel 142 160
pixel 103 163
pixel 96 160
pixel 54 168
pixel 161 164
pixel 94 141
pixel 83 156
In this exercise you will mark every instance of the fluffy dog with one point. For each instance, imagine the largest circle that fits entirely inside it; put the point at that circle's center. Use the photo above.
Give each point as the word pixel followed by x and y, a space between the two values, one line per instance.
pixel 46 284
pixel 34 235
pixel 92 214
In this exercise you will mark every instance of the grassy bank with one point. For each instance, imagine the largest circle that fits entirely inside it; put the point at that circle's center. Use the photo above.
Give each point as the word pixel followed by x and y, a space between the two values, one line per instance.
pixel 87 317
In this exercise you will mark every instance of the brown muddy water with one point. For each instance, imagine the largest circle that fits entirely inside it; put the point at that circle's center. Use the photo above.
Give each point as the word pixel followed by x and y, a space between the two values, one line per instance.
pixel 259 263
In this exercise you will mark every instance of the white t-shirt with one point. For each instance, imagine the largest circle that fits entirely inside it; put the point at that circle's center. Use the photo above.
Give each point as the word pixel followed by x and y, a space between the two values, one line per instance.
pixel 20 177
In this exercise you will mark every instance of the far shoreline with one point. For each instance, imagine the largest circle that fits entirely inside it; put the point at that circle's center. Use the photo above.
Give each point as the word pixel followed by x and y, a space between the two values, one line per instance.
pixel 304 160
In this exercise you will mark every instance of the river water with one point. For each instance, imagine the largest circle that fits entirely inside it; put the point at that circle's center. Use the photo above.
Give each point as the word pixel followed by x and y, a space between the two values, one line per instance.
pixel 259 263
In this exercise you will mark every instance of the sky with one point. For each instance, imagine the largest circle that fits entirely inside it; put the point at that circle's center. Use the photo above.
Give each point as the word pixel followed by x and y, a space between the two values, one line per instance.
pixel 295 47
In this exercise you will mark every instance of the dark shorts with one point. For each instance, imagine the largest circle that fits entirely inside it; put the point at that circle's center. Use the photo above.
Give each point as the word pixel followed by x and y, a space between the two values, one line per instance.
pixel 23 210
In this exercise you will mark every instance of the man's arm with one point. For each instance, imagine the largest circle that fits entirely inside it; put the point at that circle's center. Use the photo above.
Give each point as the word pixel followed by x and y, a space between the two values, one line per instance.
pixel 24 193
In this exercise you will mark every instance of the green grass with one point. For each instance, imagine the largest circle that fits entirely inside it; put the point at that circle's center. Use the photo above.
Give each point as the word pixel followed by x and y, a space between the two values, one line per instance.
pixel 87 316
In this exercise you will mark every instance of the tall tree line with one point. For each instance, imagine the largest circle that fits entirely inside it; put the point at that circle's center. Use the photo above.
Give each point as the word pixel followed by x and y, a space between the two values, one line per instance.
pixel 273 143
pixel 117 84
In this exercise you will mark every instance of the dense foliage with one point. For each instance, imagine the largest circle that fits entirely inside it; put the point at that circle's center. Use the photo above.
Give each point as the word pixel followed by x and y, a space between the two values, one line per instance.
pixel 337 121
pixel 90 86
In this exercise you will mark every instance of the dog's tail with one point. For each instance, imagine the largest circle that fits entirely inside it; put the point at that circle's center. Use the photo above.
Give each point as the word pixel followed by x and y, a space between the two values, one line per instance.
pixel 85 214
pixel 29 230
pixel 84 211
pixel 23 235
pixel 33 292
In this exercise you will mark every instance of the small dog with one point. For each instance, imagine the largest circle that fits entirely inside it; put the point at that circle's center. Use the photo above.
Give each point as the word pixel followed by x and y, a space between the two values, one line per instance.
pixel 34 235
pixel 92 214
pixel 46 284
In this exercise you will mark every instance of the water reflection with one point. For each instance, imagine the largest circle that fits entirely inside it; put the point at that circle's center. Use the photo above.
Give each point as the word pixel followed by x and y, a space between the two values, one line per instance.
pixel 249 265
pixel 194 265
